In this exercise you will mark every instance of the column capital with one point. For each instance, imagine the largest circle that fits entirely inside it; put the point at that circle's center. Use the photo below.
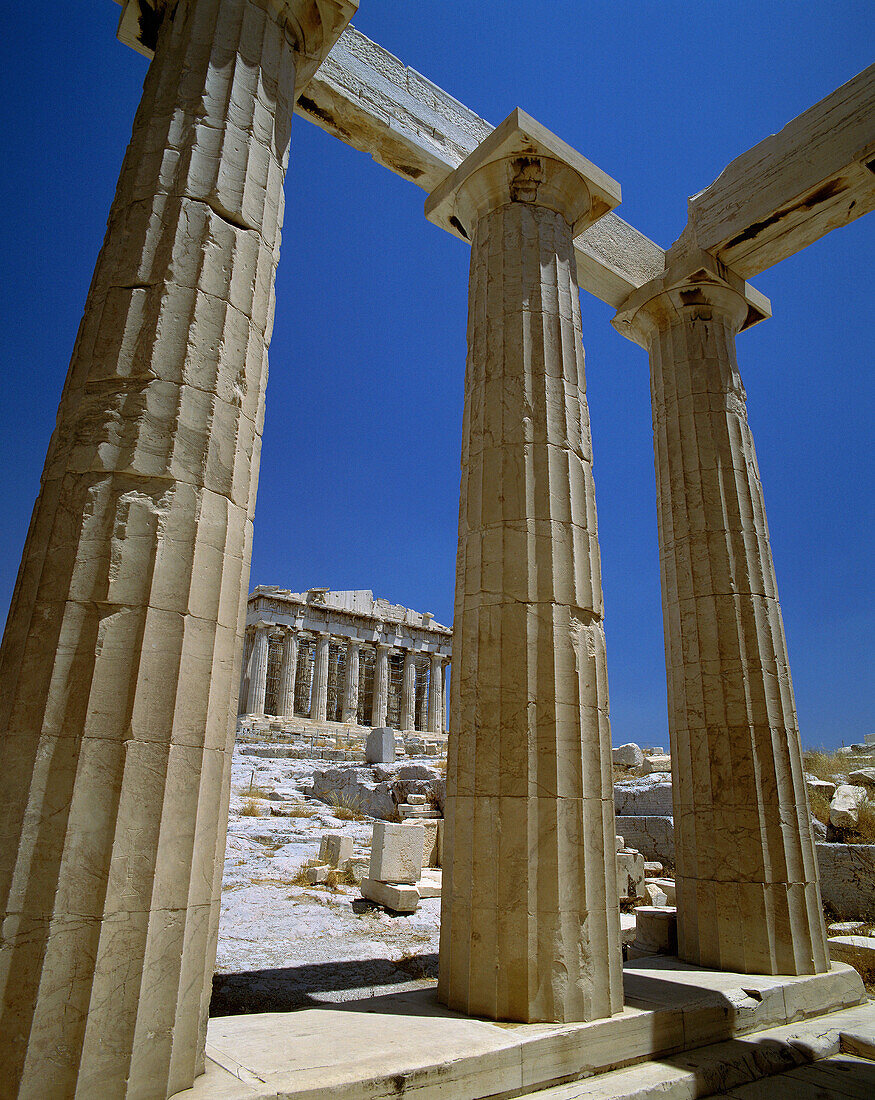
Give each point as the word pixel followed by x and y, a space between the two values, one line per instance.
pixel 522 161
pixel 314 25
pixel 694 282
pixel 262 624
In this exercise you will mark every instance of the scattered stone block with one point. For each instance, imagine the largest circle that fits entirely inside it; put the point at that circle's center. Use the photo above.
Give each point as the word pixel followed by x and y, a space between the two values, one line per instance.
pixel 656 930
pixel 652 868
pixel 316 872
pixel 822 786
pixel 401 898
pixel 431 840
pixel 380 746
pixel 357 868
pixel 620 845
pixel 846 928
pixel 416 800
pixel 654 764
pixel 396 853
pixel 630 874
pixel 335 849
pixel 646 797
pixel 844 809
pixel 847 872
pixel 853 950
pixel 667 885
pixel 653 894
pixel 652 835
pixel 818 829
pixel 628 756
pixel 863 777
pixel 429 886
pixel 425 812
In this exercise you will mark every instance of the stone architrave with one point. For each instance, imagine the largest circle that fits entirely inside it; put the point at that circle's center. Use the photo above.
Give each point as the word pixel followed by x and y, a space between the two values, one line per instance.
pixel 747 880
pixel 351 683
pixel 435 694
pixel 320 678
pixel 530 918
pixel 119 664
pixel 408 691
pixel 285 700
pixel 380 704
pixel 258 669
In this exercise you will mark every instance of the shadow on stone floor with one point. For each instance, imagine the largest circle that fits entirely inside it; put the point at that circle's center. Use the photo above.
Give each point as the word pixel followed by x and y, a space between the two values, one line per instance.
pixel 283 989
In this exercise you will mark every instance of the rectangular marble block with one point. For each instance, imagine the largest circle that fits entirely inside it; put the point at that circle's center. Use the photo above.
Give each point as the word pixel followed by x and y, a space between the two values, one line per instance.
pixel 431 839
pixel 396 852
pixel 335 849
pixel 396 896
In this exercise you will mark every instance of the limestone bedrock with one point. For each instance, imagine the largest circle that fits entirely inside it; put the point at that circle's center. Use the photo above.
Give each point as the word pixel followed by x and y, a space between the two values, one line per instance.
pixel 747 888
pixel 120 661
pixel 529 919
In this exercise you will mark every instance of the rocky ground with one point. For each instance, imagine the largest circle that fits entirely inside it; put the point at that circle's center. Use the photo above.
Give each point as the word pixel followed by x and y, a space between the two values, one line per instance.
pixel 282 945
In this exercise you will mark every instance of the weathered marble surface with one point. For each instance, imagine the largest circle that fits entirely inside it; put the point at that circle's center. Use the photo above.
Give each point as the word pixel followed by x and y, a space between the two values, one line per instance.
pixel 747 889
pixel 121 657
pixel 530 924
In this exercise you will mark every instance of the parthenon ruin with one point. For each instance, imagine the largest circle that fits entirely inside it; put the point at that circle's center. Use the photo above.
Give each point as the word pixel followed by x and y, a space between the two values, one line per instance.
pixel 121 658
pixel 328 658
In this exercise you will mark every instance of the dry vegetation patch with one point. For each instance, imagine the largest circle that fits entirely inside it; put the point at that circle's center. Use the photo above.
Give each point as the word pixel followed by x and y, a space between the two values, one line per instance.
pixel 346 807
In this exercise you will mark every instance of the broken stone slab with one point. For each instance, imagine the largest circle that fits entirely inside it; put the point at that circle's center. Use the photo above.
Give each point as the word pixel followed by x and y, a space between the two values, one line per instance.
pixel 630 874
pixel 667 886
pixel 645 797
pixel 316 872
pixel 853 950
pixel 400 897
pixel 847 872
pixel 652 868
pixel 432 842
pixel 863 777
pixel 628 756
pixel 656 931
pixel 844 809
pixel 357 868
pixel 416 799
pixel 429 886
pixel 380 746
pixel 335 848
pixel 396 853
pixel 822 786
pixel 417 812
pixel 654 764
pixel 653 894
pixel 846 928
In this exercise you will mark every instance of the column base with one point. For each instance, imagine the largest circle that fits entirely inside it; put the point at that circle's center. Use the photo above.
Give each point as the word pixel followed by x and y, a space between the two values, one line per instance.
pixel 671 1007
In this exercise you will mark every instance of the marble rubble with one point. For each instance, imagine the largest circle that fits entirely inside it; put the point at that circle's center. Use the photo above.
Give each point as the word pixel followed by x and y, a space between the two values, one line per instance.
pixel 123 656
pixel 844 809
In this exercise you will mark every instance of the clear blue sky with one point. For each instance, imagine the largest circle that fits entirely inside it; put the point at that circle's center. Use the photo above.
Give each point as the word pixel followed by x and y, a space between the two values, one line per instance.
pixel 360 466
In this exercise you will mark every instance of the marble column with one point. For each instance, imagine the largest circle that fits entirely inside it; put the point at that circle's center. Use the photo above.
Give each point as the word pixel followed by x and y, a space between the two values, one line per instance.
pixel 120 661
pixel 285 699
pixel 445 708
pixel 351 682
pixel 529 915
pixel 380 701
pixel 747 878
pixel 243 696
pixel 320 678
pixel 258 668
pixel 435 695
pixel 408 691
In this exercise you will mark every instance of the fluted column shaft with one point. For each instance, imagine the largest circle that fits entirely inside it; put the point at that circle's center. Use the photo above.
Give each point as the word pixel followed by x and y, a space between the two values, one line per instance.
pixel 285 699
pixel 435 695
pixel 408 691
pixel 529 913
pixel 320 678
pixel 120 661
pixel 258 668
pixel 351 682
pixel 747 879
pixel 445 699
pixel 243 697
pixel 380 701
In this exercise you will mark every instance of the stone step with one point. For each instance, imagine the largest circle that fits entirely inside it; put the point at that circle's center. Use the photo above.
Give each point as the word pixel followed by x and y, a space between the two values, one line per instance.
pixel 829 1056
